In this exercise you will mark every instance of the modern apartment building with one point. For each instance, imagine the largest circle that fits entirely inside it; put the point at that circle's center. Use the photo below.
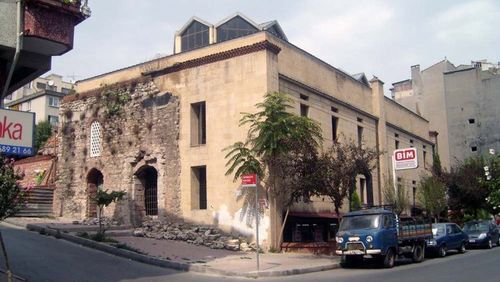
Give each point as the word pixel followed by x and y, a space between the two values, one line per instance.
pixel 158 129
pixel 42 96
pixel 462 104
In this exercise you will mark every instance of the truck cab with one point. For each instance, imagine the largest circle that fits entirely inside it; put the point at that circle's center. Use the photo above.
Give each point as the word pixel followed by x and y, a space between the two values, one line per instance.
pixel 377 233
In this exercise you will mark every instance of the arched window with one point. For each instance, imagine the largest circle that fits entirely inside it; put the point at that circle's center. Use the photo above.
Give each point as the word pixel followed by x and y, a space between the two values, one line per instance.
pixel 235 27
pixel 195 36
pixel 95 139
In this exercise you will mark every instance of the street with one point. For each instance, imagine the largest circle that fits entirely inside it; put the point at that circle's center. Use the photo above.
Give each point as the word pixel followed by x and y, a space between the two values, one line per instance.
pixel 42 258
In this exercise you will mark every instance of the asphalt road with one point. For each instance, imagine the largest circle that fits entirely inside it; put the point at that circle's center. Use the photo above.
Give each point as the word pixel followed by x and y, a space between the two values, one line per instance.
pixel 42 258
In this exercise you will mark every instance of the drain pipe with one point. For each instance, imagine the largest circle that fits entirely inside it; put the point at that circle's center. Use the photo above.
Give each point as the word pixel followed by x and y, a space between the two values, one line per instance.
pixel 19 46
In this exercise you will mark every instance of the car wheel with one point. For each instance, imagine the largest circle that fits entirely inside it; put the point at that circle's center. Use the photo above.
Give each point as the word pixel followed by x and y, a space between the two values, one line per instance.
pixel 490 244
pixel 388 260
pixel 418 254
pixel 462 248
pixel 442 251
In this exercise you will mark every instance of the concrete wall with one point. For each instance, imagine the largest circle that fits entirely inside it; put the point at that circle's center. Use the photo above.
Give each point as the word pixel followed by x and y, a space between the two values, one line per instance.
pixel 472 94
pixel 8 16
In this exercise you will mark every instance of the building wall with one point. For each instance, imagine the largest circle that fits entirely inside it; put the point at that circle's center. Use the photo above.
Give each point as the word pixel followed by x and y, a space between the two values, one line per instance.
pixel 428 101
pixel 230 85
pixel 130 141
pixel 473 108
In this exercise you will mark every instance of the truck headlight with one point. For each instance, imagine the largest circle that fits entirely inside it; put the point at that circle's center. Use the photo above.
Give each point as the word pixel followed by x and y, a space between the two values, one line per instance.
pixel 369 239
pixel 339 240
pixel 482 236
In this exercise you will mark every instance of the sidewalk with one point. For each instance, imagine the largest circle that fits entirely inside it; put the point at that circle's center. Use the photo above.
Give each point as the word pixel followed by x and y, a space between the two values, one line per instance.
pixel 183 256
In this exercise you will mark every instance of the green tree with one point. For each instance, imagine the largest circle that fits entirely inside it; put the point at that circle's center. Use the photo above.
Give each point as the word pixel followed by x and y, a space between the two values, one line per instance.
pixel 43 131
pixel 274 135
pixel 397 198
pixel 11 198
pixel 102 199
pixel 492 182
pixel 467 190
pixel 431 195
pixel 355 201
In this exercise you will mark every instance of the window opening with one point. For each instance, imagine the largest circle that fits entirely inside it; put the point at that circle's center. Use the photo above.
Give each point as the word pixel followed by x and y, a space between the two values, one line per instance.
pixel 95 139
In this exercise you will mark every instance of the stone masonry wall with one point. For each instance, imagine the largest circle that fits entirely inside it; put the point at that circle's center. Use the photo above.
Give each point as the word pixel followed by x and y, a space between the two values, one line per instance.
pixel 139 128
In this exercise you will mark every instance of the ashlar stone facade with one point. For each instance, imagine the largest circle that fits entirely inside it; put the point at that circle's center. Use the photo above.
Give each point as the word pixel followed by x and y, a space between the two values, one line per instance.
pixel 134 149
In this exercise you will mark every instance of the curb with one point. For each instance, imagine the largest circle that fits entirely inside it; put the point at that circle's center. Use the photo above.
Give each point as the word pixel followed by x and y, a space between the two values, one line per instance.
pixel 172 264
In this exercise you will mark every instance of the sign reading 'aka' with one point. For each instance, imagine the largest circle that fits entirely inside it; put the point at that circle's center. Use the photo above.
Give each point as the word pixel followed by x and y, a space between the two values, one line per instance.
pixel 16 132
pixel 405 158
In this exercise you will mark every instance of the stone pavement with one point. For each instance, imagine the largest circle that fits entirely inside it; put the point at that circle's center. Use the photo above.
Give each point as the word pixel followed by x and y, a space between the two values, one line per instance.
pixel 183 256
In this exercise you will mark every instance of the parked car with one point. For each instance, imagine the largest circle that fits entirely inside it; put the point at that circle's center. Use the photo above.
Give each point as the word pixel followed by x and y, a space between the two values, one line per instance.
pixel 482 233
pixel 446 236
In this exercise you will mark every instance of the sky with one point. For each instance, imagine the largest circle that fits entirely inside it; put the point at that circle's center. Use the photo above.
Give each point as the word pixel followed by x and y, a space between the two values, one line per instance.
pixel 377 37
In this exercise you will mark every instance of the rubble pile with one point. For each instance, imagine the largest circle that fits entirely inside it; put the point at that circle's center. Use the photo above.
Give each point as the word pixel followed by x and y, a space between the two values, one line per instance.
pixel 193 234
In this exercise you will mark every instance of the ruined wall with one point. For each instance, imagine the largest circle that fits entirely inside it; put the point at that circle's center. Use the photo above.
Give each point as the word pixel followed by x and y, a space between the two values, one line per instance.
pixel 139 128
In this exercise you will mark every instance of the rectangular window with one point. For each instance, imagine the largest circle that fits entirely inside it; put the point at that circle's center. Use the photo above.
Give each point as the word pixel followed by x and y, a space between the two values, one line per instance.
pixel 304 110
pixel 65 90
pixel 425 158
pixel 54 102
pixel 411 143
pixel 335 110
pixel 359 119
pixel 199 188
pixel 335 122
pixel 198 124
pixel 304 97
pixel 472 121
pixel 53 120
pixel 396 144
pixel 41 86
pixel 396 135
pixel 52 87
pixel 27 106
pixel 473 148
pixel 360 136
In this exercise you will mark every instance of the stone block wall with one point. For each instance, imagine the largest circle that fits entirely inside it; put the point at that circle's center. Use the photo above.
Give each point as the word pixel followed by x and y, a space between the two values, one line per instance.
pixel 139 128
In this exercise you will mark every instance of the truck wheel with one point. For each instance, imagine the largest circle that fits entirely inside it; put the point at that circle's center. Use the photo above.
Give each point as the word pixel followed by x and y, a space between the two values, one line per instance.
pixel 442 251
pixel 388 259
pixel 418 253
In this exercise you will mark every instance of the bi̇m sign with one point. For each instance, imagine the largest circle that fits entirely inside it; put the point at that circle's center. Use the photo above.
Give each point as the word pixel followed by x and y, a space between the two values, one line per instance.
pixel 16 133
pixel 405 158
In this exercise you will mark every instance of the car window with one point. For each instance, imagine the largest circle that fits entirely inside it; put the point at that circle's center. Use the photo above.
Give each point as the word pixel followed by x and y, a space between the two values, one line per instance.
pixel 456 229
pixel 449 230
pixel 387 221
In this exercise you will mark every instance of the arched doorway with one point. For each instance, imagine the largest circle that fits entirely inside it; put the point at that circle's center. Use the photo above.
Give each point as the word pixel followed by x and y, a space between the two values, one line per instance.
pixel 95 180
pixel 148 183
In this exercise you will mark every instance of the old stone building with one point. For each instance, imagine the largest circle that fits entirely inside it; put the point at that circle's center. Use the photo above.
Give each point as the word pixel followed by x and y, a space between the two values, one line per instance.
pixel 158 129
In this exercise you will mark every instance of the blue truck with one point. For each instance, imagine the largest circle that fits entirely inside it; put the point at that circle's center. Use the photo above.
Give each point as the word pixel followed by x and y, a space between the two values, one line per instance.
pixel 378 233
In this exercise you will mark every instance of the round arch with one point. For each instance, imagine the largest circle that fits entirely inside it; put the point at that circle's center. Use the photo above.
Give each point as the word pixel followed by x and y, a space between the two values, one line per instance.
pixel 147 189
pixel 95 181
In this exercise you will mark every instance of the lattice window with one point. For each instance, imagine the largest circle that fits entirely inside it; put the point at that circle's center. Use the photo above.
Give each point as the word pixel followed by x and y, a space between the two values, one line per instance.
pixel 95 139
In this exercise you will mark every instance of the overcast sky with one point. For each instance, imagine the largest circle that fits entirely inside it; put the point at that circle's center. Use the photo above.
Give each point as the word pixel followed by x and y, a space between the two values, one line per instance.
pixel 382 38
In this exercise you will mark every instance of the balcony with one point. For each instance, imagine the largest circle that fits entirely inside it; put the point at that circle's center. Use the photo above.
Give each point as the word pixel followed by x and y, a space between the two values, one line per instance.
pixel 49 25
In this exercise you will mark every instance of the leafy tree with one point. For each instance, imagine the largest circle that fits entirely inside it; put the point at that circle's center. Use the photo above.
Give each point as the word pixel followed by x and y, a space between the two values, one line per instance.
pixel 11 194
pixel 11 198
pixel 397 198
pixel 492 182
pixel 431 195
pixel 43 131
pixel 436 169
pixel 274 136
pixel 466 188
pixel 339 167
pixel 102 199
